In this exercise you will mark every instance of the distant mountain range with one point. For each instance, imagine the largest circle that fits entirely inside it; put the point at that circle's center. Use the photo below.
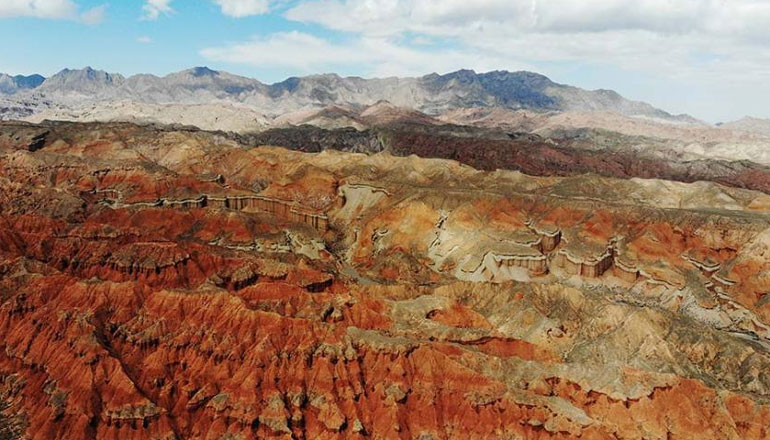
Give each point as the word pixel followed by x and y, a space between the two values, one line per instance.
pixel 510 105
pixel 431 94
pixel 13 84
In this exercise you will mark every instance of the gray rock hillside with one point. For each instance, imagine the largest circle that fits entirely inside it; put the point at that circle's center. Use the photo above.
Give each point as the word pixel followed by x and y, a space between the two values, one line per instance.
pixel 431 94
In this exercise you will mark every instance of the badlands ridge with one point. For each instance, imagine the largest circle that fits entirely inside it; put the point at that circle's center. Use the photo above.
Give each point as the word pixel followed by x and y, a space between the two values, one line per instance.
pixel 162 282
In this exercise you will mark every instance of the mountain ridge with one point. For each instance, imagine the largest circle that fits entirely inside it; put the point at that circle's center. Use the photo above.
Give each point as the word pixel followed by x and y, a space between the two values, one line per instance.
pixel 432 93
pixel 11 84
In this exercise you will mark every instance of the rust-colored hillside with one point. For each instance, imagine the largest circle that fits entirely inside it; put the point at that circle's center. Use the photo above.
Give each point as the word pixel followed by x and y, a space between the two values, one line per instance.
pixel 174 284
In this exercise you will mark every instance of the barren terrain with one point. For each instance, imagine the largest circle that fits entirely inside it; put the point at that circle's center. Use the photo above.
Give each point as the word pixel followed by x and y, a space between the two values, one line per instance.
pixel 171 283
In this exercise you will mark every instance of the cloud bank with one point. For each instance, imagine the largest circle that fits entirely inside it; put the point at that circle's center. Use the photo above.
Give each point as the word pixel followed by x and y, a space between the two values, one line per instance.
pixel 51 9
pixel 697 39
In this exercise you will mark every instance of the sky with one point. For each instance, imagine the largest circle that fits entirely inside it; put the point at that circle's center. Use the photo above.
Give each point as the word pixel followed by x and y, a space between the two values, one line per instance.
pixel 706 58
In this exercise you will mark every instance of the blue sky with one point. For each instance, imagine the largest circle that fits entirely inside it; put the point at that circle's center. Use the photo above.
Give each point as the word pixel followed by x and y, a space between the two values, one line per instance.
pixel 708 58
pixel 119 42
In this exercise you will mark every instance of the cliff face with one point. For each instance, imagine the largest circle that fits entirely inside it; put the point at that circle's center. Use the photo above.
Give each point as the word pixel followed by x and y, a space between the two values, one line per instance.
pixel 172 284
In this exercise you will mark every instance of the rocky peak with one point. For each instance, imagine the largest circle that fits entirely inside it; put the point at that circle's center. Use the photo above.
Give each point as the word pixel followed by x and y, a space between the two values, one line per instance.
pixel 202 71
pixel 288 85
pixel 208 82
pixel 82 81
pixel 12 84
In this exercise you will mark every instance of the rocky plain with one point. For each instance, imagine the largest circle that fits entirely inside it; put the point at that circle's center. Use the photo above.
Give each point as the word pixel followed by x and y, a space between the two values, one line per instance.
pixel 438 270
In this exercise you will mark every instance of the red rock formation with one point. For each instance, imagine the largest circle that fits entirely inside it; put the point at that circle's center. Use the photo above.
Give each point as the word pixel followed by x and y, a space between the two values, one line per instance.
pixel 592 266
pixel 218 314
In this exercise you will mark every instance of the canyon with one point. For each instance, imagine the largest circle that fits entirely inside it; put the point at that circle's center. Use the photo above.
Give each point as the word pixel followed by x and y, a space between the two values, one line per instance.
pixel 408 280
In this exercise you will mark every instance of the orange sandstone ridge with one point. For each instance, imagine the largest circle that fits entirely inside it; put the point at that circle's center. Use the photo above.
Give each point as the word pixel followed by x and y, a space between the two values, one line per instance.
pixel 174 284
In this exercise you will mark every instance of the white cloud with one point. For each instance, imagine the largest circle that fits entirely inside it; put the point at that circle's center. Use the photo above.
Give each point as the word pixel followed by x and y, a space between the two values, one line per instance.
pixel 152 9
pixel 378 56
pixel 283 50
pixel 688 39
pixel 51 9
pixel 94 15
pixel 144 39
pixel 456 17
pixel 65 9
pixel 243 8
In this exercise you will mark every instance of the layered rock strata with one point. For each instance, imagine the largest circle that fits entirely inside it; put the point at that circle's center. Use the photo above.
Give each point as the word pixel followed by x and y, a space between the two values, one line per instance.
pixel 175 284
